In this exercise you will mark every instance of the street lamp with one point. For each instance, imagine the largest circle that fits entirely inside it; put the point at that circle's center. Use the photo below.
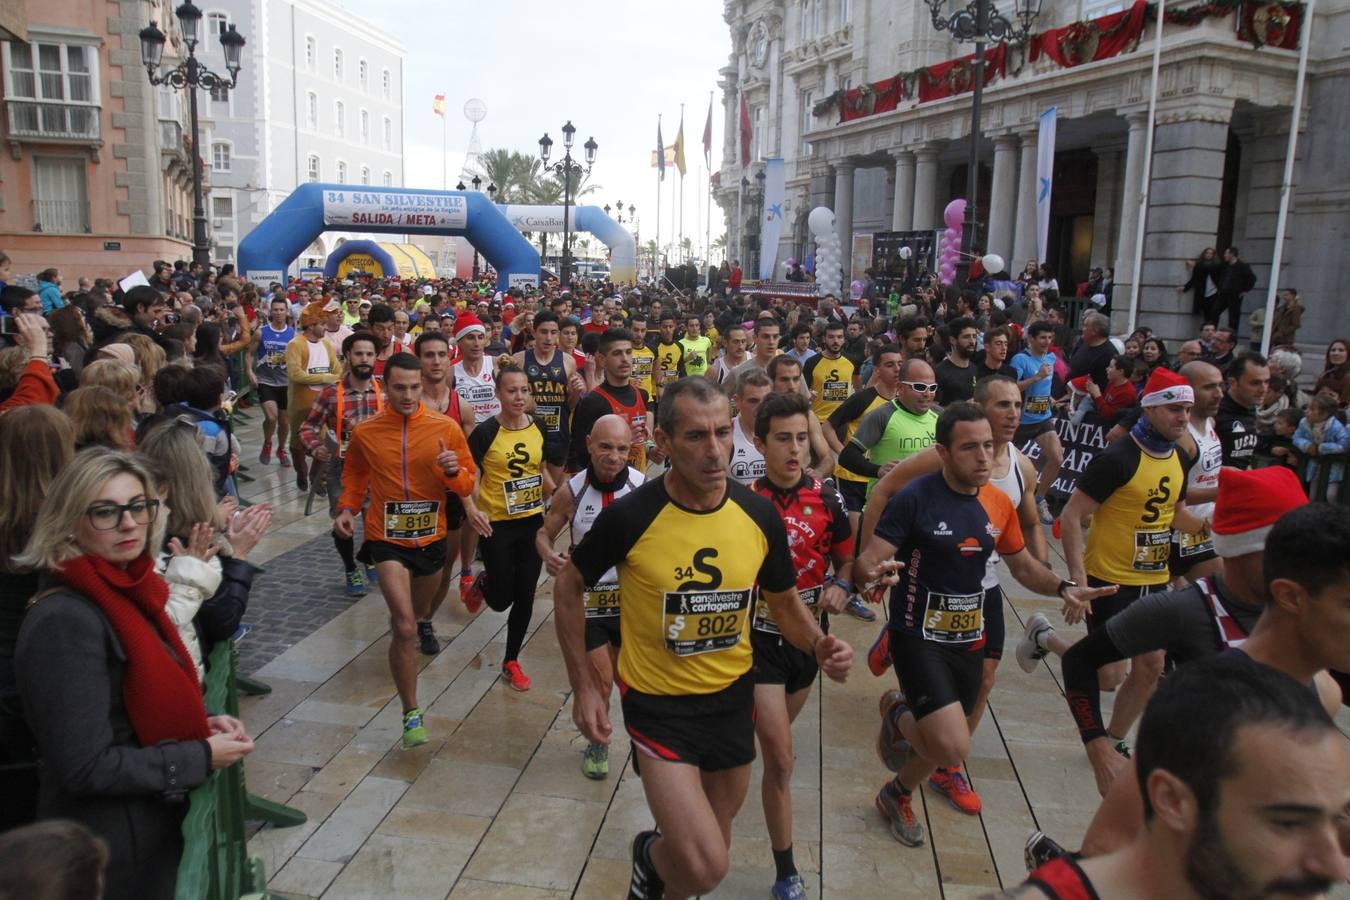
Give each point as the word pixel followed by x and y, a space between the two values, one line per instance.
pixel 492 192
pixel 567 169
pixel 759 179
pixel 460 186
pixel 979 21
pixel 191 74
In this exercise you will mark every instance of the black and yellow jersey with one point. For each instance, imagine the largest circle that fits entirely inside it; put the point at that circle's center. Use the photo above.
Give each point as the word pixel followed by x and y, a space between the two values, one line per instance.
pixel 1131 533
pixel 845 420
pixel 644 360
pixel 831 380
pixel 510 461
pixel 669 364
pixel 686 578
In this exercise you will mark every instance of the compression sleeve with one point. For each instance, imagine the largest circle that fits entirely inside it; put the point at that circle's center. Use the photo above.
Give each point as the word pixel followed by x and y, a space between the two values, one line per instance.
pixel 1081 690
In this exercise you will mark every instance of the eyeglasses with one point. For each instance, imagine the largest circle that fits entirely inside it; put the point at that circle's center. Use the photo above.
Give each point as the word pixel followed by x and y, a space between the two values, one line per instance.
pixel 107 516
pixel 920 387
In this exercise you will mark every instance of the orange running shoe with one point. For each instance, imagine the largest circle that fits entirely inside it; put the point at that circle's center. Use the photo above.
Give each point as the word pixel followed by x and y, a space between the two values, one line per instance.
pixel 512 675
pixel 952 784
pixel 879 654
pixel 472 592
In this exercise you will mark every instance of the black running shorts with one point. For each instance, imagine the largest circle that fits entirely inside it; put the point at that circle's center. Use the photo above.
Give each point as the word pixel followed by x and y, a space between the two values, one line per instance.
pixel 454 512
pixel 602 631
pixel 1101 610
pixel 271 393
pixel 993 623
pixel 853 493
pixel 419 561
pixel 711 731
pixel 556 446
pixel 934 675
pixel 778 662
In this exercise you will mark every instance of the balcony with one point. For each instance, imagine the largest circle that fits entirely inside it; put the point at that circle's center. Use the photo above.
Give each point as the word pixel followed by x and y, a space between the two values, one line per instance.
pixel 61 216
pixel 66 123
pixel 171 139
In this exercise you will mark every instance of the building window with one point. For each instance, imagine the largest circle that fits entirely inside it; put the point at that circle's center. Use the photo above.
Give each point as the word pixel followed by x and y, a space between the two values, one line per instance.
pixel 388 178
pixel 313 167
pixel 60 195
pixel 365 174
pixel 220 156
pixel 217 23
pixel 1094 8
pixel 845 11
pixel 388 133
pixel 222 208
pixel 805 122
pixel 220 94
pixel 51 90
pixel 386 84
pixel 311 53
pixel 804 21
pixel 312 110
pixel 758 131
pixel 365 127
pixel 337 64
pixel 817 15
pixel 341 172
pixel 340 119
pixel 363 75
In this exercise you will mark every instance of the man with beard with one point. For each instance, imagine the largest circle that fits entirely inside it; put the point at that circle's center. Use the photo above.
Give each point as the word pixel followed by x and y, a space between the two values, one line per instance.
pixel 956 375
pixel 1244 781
pixel 311 363
pixel 1247 376
pixel 829 374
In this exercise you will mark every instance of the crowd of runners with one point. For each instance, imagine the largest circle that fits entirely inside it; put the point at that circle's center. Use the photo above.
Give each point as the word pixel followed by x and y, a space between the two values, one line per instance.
pixel 707 480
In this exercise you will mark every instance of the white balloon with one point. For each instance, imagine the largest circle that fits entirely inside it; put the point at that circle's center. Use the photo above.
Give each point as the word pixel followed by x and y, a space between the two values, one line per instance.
pixel 993 263
pixel 906 253
pixel 821 220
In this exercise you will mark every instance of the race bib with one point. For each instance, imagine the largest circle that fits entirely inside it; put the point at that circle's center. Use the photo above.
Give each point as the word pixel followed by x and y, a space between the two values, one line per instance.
pixel 1151 549
pixel 835 391
pixel 276 359
pixel 1037 405
pixel 642 368
pixel 411 519
pixel 550 414
pixel 954 618
pixel 1195 544
pixel 523 495
pixel 763 620
pixel 478 392
pixel 704 622
pixel 602 601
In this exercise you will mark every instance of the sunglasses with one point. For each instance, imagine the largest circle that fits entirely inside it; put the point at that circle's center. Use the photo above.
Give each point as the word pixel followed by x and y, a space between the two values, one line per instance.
pixel 920 387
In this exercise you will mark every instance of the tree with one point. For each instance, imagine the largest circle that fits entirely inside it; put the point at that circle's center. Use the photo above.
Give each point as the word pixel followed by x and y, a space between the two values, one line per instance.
pixel 513 173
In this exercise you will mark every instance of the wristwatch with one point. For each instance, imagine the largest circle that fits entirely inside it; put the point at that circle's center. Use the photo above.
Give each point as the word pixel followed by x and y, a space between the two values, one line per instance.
pixel 1065 583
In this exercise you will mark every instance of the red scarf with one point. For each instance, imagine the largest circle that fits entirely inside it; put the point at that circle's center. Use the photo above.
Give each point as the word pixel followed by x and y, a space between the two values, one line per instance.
pixel 160 690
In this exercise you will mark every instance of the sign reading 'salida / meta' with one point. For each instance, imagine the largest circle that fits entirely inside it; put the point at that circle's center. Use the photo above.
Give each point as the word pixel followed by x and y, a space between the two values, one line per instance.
pixel 398 210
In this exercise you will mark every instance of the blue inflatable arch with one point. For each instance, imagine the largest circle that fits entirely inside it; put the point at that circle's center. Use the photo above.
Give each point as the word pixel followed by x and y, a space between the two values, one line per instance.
pixel 267 252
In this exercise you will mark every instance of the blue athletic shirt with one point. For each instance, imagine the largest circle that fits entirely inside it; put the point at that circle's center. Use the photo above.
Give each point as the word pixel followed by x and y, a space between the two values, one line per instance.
pixel 944 539
pixel 1036 403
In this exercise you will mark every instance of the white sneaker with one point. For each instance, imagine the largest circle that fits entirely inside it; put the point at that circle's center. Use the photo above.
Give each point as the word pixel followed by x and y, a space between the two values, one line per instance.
pixel 1047 517
pixel 1030 650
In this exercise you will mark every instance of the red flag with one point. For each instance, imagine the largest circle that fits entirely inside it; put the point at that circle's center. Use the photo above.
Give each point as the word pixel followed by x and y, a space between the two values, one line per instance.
pixel 745 132
pixel 707 137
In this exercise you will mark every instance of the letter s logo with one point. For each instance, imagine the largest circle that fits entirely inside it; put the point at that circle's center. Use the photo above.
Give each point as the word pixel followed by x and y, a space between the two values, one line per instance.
pixel 517 460
pixel 702 565
pixel 1157 498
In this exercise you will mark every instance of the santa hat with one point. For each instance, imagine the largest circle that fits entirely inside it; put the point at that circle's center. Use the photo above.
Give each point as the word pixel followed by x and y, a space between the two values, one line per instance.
pixel 466 324
pixel 1165 386
pixel 1249 503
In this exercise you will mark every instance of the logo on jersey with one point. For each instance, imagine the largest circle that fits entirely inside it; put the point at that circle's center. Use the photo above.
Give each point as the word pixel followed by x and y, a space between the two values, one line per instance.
pixel 702 565
pixel 969 546
pixel 942 529
pixel 1157 497
pixel 517 459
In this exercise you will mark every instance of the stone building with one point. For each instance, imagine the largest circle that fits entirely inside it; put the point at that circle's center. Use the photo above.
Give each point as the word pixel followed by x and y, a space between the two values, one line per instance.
pixel 1223 115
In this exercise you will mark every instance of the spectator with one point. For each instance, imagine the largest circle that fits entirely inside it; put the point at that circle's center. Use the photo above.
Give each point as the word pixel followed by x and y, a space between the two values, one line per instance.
pixel 201 391
pixel 1288 318
pixel 106 684
pixel 49 290
pixel 1095 351
pixel 36 442
pixel 16 298
pixel 1275 402
pixel 54 860
pixel 1221 346
pixel 149 358
pixel 1236 279
pixel 1120 393
pixel 1335 377
pixel 1204 284
pixel 1188 352
pixel 5 265
pixel 1132 347
pixel 1322 434
pixel 35 384
pixel 1049 285
pixel 71 337
pixel 1288 363
pixel 143 306
pixel 1281 442
pixel 1154 352
pixel 120 377
pixel 100 418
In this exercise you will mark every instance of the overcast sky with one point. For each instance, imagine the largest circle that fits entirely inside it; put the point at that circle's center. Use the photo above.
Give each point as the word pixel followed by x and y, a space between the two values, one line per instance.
pixel 608 65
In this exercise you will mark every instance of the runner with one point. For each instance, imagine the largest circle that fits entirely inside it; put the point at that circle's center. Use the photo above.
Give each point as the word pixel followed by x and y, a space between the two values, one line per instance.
pixel 747 462
pixel 327 431
pixel 265 364
pixel 475 382
pixel 669 355
pixel 829 374
pixel 893 432
pixel 786 375
pixel 956 375
pixel 697 347
pixel 1192 555
pixel 689 548
pixel 818 535
pixel 615 394
pixel 944 526
pixel 606 478
pixel 995 358
pixel 406 458
pixel 1035 368
pixel 382 324
pixel 734 354
pixel 508 506
pixel 1247 377
pixel 311 363
pixel 644 358
pixel 555 388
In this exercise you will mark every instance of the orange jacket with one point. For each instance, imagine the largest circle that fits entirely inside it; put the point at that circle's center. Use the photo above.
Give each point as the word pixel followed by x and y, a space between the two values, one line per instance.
pixel 394 457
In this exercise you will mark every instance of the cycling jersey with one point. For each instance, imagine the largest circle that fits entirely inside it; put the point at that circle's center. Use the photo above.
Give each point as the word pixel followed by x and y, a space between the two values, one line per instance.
pixel 1036 400
pixel 818 531
pixel 944 538
pixel 845 420
pixel 892 433
pixel 644 361
pixel 479 391
pixel 686 577
pixel 394 456
pixel 548 386
pixel 1131 533
pixel 588 499
pixel 747 463
pixel 511 461
pixel 270 366
pixel 831 380
pixel 697 353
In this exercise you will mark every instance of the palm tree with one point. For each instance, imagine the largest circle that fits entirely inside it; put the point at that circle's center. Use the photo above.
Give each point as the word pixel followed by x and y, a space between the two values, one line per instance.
pixel 513 173
pixel 687 248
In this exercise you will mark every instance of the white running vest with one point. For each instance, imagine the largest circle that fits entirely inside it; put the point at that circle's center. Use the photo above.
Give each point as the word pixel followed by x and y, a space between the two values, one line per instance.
pixel 479 391
pixel 747 463
pixel 1011 484
pixel 587 502
pixel 1205 472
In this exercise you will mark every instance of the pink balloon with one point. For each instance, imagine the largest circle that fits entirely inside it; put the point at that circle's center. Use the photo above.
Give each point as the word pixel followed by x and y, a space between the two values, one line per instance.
pixel 955 213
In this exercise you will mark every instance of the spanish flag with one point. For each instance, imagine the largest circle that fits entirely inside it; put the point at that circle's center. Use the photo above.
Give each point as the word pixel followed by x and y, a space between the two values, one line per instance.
pixel 438 105
pixel 679 146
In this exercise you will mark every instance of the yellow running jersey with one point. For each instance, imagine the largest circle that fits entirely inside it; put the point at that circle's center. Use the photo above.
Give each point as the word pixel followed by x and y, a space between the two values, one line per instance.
pixel 845 420
pixel 831 380
pixel 644 360
pixel 687 580
pixel 510 462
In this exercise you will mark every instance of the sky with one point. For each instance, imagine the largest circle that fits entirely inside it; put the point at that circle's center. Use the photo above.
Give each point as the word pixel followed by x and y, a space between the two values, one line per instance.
pixel 610 66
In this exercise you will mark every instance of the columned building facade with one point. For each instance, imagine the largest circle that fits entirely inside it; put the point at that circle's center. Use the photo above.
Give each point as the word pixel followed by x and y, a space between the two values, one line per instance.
pixel 1222 121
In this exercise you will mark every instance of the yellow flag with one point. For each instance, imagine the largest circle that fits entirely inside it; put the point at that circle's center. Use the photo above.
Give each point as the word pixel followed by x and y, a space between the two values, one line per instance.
pixel 679 146
pixel 438 105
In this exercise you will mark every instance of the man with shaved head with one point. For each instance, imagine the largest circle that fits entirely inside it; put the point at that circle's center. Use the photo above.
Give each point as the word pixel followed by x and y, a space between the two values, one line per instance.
pixel 577 501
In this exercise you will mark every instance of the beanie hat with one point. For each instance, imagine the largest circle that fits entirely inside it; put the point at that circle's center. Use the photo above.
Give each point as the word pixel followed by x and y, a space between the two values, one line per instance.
pixel 1165 386
pixel 1249 503
pixel 468 323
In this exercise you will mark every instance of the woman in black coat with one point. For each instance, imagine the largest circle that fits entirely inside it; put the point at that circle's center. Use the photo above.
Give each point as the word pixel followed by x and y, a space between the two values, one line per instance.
pixel 1204 283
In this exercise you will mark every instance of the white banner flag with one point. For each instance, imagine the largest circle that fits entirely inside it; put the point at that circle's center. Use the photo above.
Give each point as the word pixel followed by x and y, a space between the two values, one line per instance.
pixel 771 228
pixel 1045 176
pixel 394 209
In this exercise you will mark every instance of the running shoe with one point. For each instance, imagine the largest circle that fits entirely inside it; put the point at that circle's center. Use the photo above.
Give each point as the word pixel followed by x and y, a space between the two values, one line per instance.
pixel 426 639
pixel 1031 649
pixel 1123 748
pixel 892 747
pixel 791 888
pixel 1042 507
pixel 265 456
pixel 302 484
pixel 1041 849
pixel 356 583
pixel 952 784
pixel 595 762
pixel 283 459
pixel 372 576
pixel 465 581
pixel 879 654
pixel 414 732
pixel 858 610
pixel 513 676
pixel 899 812
pixel 645 883
pixel 475 594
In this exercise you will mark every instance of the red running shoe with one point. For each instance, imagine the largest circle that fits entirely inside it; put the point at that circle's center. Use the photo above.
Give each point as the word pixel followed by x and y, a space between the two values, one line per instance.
pixel 952 784
pixel 512 675
pixel 879 654
pixel 474 592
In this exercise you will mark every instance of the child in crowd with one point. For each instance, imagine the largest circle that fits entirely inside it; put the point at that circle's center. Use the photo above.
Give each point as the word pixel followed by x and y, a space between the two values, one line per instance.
pixel 1275 401
pixel 1119 395
pixel 1322 434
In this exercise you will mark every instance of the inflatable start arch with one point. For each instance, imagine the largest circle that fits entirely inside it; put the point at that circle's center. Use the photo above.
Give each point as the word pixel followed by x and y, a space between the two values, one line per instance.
pixel 267 252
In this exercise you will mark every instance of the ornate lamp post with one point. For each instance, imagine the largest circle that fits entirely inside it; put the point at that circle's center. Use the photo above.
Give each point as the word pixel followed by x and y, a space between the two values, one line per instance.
pixel 567 169
pixel 979 22
pixel 189 75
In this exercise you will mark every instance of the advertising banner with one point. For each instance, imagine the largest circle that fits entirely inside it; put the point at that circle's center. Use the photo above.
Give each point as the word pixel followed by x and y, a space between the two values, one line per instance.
pixel 521 281
pixel 1081 442
pixel 365 208
pixel 775 192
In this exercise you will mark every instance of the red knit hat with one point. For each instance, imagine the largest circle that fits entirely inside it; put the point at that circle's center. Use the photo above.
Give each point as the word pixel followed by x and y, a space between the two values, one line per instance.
pixel 1249 503
pixel 466 323
pixel 1165 386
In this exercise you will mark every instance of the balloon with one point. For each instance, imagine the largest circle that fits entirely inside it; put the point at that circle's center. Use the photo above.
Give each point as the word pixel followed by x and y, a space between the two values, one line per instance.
pixel 821 220
pixel 856 289
pixel 993 263
pixel 955 213
pixel 906 253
